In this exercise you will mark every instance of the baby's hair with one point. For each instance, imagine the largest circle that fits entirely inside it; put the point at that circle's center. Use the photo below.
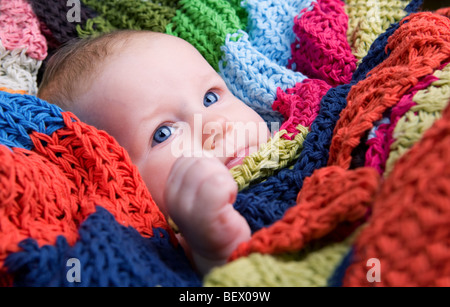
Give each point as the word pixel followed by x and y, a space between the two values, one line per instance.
pixel 72 68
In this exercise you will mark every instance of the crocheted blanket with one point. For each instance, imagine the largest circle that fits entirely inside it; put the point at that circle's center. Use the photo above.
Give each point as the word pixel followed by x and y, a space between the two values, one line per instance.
pixel 353 190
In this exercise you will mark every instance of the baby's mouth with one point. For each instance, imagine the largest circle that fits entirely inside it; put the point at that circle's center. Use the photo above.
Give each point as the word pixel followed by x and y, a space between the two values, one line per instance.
pixel 239 156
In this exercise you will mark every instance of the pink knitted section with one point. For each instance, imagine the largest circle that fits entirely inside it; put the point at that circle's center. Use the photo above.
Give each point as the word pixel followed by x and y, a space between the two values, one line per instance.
pixel 321 50
pixel 19 28
pixel 300 104
pixel 379 146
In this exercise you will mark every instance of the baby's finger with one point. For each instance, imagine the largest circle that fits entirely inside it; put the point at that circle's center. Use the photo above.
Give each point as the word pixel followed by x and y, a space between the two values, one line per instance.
pixel 183 182
pixel 176 178
pixel 216 191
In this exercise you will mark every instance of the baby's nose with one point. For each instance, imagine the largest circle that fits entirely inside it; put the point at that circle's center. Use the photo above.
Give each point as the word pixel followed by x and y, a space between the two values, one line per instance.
pixel 216 130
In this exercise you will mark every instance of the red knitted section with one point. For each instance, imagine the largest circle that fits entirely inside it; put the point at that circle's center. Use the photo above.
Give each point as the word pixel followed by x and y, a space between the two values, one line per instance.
pixel 321 50
pixel 418 48
pixel 300 104
pixel 379 146
pixel 408 231
pixel 102 173
pixel 329 197
pixel 444 11
pixel 51 190
pixel 35 201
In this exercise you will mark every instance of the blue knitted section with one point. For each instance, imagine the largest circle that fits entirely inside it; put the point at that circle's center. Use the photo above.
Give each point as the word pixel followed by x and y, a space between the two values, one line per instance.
pixel 335 280
pixel 254 78
pixel 20 115
pixel 413 6
pixel 271 26
pixel 264 203
pixel 109 254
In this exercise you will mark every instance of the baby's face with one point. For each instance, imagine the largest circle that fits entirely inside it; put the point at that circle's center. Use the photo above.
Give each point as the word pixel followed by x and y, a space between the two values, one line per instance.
pixel 160 99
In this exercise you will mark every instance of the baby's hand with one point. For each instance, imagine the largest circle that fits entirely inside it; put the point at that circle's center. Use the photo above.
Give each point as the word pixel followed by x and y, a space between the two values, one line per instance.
pixel 199 196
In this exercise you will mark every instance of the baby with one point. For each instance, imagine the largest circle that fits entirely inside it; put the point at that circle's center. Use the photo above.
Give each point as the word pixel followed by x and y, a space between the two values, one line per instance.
pixel 178 121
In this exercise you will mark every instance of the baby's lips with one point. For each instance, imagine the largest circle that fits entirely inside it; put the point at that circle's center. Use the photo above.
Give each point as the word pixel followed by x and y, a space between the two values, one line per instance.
pixel 234 162
pixel 239 157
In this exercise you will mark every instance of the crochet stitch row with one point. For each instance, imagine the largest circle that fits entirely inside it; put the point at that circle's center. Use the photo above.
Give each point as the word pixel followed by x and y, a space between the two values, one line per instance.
pixel 405 127
pixel 430 103
pixel 368 19
pixel 277 153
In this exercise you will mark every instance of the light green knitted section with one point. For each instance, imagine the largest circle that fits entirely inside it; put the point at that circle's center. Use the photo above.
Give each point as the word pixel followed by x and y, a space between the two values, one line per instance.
pixel 205 24
pixel 312 267
pixel 272 156
pixel 368 19
pixel 95 27
pixel 126 14
pixel 410 128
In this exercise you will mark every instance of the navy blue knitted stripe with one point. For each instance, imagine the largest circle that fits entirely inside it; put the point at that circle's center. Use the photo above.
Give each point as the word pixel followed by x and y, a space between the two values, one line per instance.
pixel 264 203
pixel 413 6
pixel 109 254
pixel 20 115
pixel 336 279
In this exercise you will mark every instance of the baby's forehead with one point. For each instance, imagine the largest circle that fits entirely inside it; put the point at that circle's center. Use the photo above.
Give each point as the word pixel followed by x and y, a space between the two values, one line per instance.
pixel 152 41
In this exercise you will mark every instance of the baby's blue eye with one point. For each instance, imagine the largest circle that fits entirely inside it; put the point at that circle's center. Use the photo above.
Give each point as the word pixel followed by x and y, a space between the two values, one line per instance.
pixel 162 134
pixel 210 98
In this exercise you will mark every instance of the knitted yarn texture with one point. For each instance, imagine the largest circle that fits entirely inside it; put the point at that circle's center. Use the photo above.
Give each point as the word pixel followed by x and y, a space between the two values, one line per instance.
pixel 358 166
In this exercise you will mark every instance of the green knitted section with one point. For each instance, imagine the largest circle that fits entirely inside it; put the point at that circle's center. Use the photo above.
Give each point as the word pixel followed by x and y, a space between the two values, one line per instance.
pixel 126 14
pixel 94 27
pixel 206 23
pixel 240 11
pixel 312 267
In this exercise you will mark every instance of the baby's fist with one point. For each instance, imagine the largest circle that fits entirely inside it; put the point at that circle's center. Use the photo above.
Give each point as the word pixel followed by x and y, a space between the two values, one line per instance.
pixel 199 196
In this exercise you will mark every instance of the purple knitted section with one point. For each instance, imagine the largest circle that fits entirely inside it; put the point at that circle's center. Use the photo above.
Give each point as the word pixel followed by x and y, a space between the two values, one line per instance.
pixel 49 12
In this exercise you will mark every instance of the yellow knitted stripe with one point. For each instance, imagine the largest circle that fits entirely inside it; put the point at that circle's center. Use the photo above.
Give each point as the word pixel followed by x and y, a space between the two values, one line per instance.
pixel 368 19
pixel 310 268
pixel 274 155
pixel 410 128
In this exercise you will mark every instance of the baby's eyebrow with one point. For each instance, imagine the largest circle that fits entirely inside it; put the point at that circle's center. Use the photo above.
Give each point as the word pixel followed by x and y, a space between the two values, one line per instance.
pixel 146 121
pixel 207 78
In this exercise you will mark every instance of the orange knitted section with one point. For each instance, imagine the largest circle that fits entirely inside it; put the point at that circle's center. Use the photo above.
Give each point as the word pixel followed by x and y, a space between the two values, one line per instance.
pixel 51 190
pixel 33 204
pixel 329 197
pixel 408 230
pixel 444 11
pixel 8 90
pixel 102 173
pixel 417 48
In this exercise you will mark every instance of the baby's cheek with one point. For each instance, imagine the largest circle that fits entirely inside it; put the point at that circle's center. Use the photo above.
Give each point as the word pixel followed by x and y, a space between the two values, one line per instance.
pixel 155 179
